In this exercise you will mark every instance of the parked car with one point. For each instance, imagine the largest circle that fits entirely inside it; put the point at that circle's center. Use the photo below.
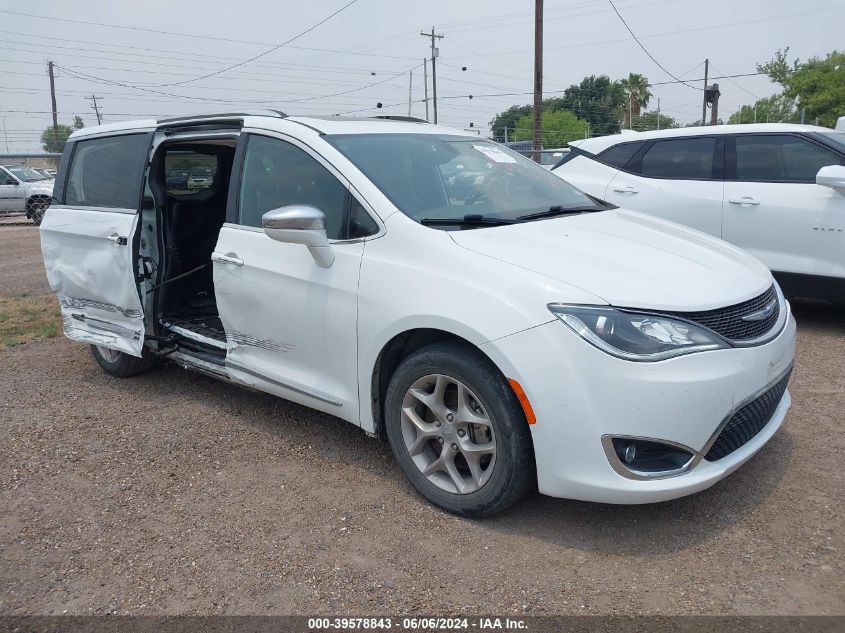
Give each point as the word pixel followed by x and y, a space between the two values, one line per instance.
pixel 549 158
pixel 775 190
pixel 177 179
pixel 23 189
pixel 201 180
pixel 48 175
pixel 516 333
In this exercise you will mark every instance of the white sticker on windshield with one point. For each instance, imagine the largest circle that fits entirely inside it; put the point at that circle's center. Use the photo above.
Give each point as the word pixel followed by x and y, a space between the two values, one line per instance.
pixel 494 154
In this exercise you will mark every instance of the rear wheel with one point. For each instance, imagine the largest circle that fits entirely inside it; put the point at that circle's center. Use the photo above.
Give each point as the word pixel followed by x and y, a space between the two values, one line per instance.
pixel 120 364
pixel 458 431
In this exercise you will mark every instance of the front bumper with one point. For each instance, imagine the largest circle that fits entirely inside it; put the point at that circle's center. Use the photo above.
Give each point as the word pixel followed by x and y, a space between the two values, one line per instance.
pixel 580 394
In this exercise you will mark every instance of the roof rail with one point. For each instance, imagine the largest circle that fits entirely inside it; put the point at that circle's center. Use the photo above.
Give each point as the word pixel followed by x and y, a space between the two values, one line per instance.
pixel 398 117
pixel 221 115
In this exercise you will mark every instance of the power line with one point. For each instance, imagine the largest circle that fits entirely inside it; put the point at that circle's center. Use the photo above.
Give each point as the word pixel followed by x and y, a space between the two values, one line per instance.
pixel 645 50
pixel 269 50
pixel 194 35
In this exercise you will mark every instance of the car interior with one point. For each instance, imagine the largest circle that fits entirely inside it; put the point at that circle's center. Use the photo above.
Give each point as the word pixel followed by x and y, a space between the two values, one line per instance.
pixel 181 287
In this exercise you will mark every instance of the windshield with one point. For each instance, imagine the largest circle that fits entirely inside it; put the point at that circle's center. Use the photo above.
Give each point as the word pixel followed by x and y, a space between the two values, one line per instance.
pixel 24 173
pixel 430 176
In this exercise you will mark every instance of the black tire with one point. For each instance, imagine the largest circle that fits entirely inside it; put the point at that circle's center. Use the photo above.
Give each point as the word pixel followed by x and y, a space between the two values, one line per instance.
pixel 124 365
pixel 36 208
pixel 514 473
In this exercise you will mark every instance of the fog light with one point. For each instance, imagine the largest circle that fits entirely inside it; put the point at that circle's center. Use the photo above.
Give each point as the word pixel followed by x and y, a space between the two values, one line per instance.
pixel 646 458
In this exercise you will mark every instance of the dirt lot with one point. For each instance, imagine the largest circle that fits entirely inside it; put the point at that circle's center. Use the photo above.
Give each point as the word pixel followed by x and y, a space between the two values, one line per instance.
pixel 172 493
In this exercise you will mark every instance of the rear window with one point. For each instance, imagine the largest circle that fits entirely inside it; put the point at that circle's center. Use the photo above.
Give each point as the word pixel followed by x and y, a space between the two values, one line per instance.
pixel 107 172
pixel 619 155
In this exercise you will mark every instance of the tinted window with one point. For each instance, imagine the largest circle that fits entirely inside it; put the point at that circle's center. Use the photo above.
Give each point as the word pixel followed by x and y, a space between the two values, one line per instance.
pixel 780 157
pixel 360 222
pixel 680 159
pixel 619 155
pixel 277 174
pixel 107 172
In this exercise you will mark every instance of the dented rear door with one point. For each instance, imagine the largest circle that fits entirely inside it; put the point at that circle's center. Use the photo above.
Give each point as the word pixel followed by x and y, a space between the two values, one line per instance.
pixel 88 241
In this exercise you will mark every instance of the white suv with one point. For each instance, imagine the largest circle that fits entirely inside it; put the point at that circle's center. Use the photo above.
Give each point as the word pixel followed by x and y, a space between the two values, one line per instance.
pixel 503 331
pixel 776 190
pixel 24 189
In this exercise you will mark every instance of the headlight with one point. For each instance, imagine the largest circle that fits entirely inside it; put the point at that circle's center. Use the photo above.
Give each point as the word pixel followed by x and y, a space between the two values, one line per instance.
pixel 638 337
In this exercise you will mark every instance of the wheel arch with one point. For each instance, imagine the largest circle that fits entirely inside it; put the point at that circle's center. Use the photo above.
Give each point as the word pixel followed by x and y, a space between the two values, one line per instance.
pixel 393 352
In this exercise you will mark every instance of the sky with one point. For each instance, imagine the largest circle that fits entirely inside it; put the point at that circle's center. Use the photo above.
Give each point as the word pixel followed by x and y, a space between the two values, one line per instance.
pixel 146 59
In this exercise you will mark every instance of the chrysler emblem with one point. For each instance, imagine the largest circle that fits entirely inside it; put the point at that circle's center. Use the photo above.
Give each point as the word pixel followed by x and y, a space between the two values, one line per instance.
pixel 762 314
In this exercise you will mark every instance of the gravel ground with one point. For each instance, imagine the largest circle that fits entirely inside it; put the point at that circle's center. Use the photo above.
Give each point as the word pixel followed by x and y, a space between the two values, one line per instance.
pixel 171 493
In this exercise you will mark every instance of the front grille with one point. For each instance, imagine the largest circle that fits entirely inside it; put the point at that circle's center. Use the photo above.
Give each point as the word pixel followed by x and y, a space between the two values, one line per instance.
pixel 748 421
pixel 728 321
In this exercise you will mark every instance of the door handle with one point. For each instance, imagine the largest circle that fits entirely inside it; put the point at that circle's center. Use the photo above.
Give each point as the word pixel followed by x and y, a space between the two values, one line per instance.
pixel 626 189
pixel 745 201
pixel 228 258
pixel 117 239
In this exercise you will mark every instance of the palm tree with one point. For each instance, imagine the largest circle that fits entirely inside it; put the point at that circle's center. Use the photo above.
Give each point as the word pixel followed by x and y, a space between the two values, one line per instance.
pixel 638 95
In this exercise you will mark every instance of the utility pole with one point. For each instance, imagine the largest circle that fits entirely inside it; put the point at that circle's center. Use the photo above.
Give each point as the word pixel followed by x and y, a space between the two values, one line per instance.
pixel 538 77
pixel 425 85
pixel 53 94
pixel 410 88
pixel 5 136
pixel 506 135
pixel 434 53
pixel 803 111
pixel 704 100
pixel 714 104
pixel 658 113
pixel 96 109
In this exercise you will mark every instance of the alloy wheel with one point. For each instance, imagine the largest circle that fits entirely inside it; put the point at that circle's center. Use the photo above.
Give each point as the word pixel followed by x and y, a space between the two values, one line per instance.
pixel 448 434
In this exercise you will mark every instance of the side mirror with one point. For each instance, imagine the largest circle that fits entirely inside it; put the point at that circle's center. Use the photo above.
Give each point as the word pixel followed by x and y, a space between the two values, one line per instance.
pixel 832 176
pixel 300 224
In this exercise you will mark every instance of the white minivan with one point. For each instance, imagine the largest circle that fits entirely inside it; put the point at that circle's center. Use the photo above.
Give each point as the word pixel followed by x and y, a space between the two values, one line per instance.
pixel 503 332
pixel 776 190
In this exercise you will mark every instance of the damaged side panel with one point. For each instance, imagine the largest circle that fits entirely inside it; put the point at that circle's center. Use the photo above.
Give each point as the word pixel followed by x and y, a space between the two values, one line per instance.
pixel 89 261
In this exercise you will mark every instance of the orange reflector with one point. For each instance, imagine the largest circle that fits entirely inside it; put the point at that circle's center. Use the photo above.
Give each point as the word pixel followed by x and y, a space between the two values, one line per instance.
pixel 523 400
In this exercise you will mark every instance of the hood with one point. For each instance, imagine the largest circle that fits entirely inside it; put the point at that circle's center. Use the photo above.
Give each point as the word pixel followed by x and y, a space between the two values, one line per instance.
pixel 629 259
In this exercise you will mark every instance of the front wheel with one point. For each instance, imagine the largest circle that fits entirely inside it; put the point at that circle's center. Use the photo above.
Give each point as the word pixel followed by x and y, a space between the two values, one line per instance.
pixel 120 364
pixel 36 210
pixel 458 431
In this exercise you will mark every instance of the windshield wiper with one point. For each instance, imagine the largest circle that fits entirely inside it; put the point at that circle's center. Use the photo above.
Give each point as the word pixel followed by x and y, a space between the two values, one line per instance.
pixel 471 219
pixel 558 210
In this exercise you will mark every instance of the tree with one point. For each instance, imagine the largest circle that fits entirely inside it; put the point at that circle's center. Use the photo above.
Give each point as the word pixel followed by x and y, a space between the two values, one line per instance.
pixel 507 119
pixel 648 121
pixel 597 100
pixel 774 109
pixel 559 127
pixel 817 85
pixel 636 87
pixel 53 139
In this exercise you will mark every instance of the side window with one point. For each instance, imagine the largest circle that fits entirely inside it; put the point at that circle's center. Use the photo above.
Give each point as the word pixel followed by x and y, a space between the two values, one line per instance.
pixel 680 159
pixel 6 179
pixel 360 222
pixel 780 158
pixel 619 155
pixel 276 174
pixel 107 172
